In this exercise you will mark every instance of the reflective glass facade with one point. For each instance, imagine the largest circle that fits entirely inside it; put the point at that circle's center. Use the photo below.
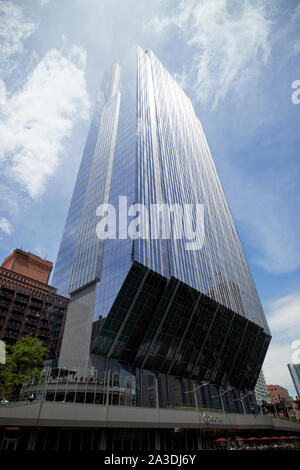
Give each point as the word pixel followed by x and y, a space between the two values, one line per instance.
pixel 64 262
pixel 149 146
pixel 175 167
pixel 294 370
pixel 188 313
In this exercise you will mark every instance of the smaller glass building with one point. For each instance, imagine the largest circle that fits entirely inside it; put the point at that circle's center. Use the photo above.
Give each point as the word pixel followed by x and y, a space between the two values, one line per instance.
pixel 294 370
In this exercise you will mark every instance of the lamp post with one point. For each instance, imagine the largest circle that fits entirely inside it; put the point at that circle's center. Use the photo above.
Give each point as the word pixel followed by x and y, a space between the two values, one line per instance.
pixel 259 406
pixel 228 389
pixel 155 389
pixel 47 372
pixel 287 411
pixel 241 399
pixel 196 390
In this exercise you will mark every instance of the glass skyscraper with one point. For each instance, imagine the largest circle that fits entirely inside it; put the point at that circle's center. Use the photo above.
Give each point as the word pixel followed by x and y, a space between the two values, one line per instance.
pixel 189 314
pixel 294 370
pixel 261 390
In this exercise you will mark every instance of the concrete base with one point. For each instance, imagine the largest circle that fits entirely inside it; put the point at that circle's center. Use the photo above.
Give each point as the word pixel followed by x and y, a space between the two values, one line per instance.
pixel 75 348
pixel 101 416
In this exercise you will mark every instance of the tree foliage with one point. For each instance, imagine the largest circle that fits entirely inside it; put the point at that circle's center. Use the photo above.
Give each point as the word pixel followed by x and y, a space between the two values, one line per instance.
pixel 24 361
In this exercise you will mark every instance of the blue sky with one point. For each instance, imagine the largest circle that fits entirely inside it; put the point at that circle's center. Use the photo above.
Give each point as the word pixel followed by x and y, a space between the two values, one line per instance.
pixel 236 60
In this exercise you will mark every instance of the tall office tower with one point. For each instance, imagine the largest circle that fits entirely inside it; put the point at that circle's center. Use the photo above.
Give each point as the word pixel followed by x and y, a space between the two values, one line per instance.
pixel 261 390
pixel 184 307
pixel 294 370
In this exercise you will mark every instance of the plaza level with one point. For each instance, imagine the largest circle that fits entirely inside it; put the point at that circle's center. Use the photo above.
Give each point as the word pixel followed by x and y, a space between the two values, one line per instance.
pixel 68 426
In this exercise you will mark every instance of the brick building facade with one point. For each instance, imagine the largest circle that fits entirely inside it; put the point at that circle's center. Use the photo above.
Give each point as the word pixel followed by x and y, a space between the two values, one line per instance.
pixel 278 393
pixel 29 265
pixel 28 305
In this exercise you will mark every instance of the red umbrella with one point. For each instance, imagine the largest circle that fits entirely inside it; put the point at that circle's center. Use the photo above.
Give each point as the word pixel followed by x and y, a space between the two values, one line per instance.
pixel 221 439
pixel 283 437
pixel 294 437
pixel 265 438
pixel 275 438
pixel 252 439
pixel 239 439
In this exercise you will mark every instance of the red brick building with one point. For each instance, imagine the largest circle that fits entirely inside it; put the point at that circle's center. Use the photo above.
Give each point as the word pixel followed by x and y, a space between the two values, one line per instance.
pixel 278 393
pixel 29 265
pixel 28 304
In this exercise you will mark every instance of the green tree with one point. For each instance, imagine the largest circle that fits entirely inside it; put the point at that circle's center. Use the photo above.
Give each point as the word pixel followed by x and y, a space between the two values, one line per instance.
pixel 24 362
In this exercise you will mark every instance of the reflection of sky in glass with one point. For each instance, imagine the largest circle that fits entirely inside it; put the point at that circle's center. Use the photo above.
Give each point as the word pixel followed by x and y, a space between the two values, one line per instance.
pixel 152 149
pixel 64 262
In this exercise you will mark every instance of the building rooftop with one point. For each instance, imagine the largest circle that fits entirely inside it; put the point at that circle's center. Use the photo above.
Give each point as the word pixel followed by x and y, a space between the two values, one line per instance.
pixel 28 264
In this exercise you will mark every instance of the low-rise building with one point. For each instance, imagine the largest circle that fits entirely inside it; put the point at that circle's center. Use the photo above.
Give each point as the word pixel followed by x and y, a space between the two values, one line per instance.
pixel 278 394
pixel 29 305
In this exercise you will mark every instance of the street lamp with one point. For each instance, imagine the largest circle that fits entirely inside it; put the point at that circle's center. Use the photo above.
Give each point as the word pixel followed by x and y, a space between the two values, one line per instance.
pixel 287 411
pixel 259 406
pixel 275 408
pixel 241 399
pixel 154 388
pixel 196 390
pixel 228 389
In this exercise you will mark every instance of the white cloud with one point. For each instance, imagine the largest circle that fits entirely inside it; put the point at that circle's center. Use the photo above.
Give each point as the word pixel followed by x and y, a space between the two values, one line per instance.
pixel 227 44
pixel 2 93
pixel 6 226
pixel 294 48
pixel 36 120
pixel 275 366
pixel 291 31
pixel 8 199
pixel 231 41
pixel 15 28
pixel 295 16
pixel 283 319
